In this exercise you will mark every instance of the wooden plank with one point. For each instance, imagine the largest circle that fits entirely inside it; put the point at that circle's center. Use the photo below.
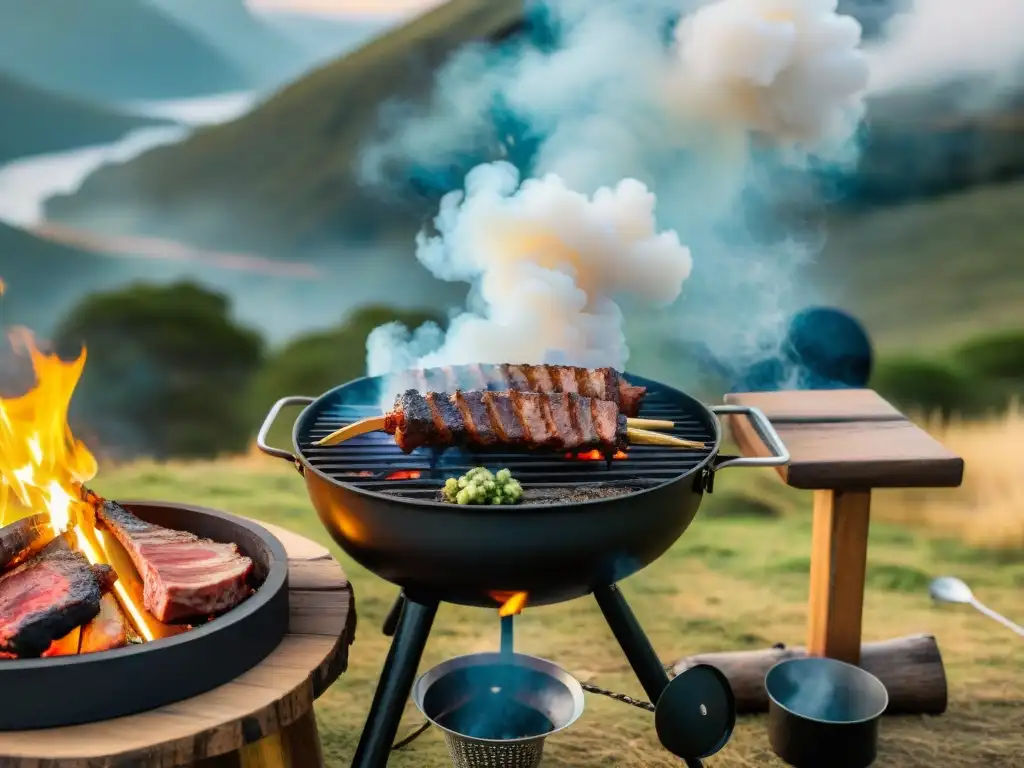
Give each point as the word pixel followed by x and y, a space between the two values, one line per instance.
pixel 839 549
pixel 272 696
pixel 889 451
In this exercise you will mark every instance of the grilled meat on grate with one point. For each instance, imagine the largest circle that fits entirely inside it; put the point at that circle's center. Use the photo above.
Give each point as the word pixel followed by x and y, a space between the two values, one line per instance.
pixel 46 597
pixel 598 383
pixel 482 419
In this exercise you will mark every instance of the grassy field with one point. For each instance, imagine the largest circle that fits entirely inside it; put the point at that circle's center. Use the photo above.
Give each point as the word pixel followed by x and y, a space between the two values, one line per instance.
pixel 737 579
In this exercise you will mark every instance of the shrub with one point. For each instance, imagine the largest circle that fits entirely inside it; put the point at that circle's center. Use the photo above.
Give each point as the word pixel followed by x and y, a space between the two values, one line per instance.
pixel 997 356
pixel 167 371
pixel 312 364
pixel 926 385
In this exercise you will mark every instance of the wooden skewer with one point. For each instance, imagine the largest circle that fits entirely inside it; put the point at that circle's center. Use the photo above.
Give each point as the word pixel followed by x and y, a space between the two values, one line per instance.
pixel 638 436
pixel 361 427
pixel 643 437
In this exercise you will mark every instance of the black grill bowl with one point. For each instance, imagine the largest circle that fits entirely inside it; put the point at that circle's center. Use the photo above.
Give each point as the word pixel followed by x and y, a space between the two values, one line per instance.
pixel 462 554
pixel 69 690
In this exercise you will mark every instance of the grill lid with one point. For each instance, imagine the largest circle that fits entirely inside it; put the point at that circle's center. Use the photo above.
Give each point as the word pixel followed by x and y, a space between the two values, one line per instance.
pixel 373 462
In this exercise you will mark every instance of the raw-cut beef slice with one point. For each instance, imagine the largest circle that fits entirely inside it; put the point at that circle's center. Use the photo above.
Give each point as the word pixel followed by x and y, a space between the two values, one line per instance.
pixel 45 598
pixel 184 577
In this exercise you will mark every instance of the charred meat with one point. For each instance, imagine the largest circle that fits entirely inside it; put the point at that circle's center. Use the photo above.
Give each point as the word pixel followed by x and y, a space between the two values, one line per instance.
pixel 48 596
pixel 184 577
pixel 596 383
pixel 524 420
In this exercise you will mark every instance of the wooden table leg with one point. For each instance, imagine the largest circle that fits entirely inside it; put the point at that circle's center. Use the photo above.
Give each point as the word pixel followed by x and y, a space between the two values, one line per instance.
pixel 839 548
pixel 296 746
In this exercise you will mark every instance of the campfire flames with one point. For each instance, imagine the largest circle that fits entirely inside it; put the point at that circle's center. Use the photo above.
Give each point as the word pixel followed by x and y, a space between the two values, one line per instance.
pixel 42 471
pixel 405 474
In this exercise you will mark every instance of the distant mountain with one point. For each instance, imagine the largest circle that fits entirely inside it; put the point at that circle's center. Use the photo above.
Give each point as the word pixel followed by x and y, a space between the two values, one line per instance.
pixel 36 121
pixel 324 37
pixel 280 180
pixel 110 50
pixel 265 53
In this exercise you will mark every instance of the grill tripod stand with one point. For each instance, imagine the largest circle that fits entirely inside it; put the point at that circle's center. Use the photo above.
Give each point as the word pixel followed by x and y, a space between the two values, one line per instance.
pixel 411 618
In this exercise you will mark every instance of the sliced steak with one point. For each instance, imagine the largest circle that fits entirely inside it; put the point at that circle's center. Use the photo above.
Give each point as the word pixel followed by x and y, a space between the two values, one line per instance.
pixel 48 596
pixel 184 576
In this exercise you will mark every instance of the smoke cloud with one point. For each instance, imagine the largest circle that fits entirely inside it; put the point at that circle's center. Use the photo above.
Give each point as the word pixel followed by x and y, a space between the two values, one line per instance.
pixel 712 107
pixel 546 265
pixel 937 41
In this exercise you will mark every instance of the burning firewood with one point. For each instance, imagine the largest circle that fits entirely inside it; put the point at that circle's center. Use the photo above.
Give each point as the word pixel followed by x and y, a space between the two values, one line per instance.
pixel 22 539
pixel 67 645
pixel 107 631
pixel 48 596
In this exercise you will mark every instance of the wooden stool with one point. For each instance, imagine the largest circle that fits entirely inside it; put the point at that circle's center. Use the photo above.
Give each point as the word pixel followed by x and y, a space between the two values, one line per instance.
pixel 263 719
pixel 843 443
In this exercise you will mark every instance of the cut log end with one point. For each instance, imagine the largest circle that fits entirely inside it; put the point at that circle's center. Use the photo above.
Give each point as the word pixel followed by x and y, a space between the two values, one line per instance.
pixel 22 539
pixel 910 667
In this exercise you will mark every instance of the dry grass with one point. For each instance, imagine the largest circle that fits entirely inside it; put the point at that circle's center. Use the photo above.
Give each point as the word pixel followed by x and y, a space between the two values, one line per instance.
pixel 737 579
pixel 988 509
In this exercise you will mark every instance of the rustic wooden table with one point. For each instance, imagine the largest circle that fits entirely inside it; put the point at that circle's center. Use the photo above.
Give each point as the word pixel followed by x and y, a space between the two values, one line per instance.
pixel 263 719
pixel 843 443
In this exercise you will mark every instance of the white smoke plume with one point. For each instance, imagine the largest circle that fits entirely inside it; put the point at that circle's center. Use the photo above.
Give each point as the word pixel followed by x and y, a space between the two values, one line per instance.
pixel 789 70
pixel 547 266
pixel 937 41
pixel 702 117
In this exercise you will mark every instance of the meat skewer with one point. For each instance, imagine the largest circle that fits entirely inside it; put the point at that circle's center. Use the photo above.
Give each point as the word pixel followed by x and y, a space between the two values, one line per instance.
pixel 483 419
pixel 599 383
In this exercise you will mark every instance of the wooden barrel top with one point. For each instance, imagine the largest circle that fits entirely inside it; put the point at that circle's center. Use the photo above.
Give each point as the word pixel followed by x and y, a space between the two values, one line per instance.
pixel 265 699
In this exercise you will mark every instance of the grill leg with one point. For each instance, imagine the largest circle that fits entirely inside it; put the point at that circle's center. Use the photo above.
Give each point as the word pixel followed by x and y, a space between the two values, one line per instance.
pixel 391 620
pixel 634 643
pixel 396 681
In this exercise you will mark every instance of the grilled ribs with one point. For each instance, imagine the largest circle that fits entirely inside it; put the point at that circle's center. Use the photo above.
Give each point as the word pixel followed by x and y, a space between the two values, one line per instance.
pixel 48 596
pixel 598 383
pixel 183 576
pixel 483 419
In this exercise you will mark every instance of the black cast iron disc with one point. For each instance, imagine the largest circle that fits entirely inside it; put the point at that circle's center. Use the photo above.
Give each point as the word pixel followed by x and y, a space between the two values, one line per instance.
pixel 696 713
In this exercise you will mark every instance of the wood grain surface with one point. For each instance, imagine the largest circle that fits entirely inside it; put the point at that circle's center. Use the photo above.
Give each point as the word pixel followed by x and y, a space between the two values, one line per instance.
pixel 230 723
pixel 846 440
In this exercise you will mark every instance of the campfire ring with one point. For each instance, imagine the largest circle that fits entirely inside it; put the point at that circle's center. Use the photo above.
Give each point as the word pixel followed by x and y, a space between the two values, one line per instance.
pixel 69 690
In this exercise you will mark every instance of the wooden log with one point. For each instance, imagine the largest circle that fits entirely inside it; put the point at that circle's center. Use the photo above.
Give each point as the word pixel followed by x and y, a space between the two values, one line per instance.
pixel 910 668
pixel 22 539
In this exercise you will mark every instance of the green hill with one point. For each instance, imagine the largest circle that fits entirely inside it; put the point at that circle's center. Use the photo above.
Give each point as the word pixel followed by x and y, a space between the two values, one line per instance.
pixel 285 169
pixel 37 121
pixel 109 50
pixel 933 272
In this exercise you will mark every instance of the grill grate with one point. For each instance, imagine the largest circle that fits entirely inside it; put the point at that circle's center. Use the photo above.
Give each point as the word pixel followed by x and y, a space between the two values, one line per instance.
pixel 374 462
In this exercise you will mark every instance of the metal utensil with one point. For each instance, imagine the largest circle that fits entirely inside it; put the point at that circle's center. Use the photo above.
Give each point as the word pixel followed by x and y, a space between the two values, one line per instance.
pixel 949 589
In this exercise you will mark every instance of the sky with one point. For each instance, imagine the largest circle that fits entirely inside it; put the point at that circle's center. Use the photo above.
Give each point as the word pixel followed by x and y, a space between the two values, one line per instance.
pixel 348 7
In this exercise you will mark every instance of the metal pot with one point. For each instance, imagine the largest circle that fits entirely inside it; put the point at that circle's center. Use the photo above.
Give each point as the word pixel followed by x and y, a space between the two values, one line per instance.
pixel 824 713
pixel 556 552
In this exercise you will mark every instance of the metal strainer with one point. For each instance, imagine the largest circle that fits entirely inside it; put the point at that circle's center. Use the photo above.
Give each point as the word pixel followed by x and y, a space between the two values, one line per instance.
pixel 496 709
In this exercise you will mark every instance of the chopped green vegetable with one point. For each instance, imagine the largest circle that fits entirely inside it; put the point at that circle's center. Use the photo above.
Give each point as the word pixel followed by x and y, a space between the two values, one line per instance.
pixel 481 486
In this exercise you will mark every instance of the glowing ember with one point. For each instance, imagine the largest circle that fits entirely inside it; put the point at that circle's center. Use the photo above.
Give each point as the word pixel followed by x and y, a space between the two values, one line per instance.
pixel 512 603
pixel 404 474
pixel 43 466
pixel 594 455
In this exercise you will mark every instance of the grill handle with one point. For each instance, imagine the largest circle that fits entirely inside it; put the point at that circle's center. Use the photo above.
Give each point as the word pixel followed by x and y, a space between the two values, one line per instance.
pixel 275 411
pixel 779 453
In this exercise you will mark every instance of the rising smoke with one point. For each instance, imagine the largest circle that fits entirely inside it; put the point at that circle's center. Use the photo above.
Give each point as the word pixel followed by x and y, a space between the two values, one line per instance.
pixel 709 117
pixel 937 41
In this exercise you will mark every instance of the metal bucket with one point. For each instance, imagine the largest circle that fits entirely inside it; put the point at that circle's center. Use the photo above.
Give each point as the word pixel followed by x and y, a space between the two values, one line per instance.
pixel 496 709
pixel 824 713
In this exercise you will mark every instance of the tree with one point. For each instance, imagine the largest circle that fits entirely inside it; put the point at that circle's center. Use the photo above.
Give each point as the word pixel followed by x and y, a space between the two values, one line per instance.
pixel 167 371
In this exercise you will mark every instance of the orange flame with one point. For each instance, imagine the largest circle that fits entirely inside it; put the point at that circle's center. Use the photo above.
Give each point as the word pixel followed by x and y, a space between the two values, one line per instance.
pixel 594 455
pixel 512 603
pixel 404 474
pixel 43 466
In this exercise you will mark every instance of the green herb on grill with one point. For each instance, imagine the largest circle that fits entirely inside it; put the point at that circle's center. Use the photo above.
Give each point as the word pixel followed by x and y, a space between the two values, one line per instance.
pixel 480 486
